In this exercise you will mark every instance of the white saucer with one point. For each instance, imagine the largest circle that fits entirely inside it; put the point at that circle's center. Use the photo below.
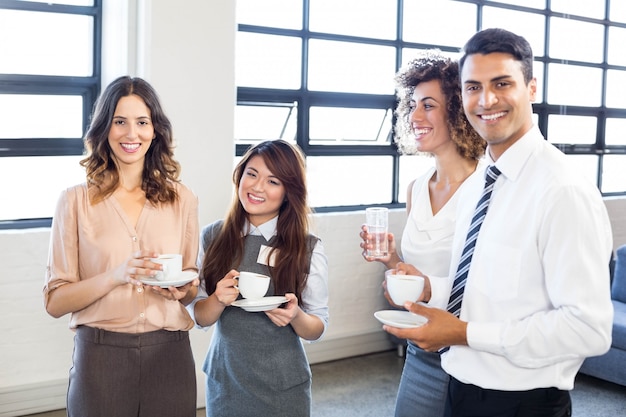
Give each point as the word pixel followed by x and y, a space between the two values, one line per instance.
pixel 401 319
pixel 182 279
pixel 261 304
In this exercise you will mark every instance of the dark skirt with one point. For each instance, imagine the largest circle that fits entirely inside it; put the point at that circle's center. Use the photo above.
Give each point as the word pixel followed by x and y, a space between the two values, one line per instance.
pixel 131 375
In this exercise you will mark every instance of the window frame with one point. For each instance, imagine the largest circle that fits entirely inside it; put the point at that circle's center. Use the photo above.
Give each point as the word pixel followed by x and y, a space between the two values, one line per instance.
pixel 602 112
pixel 87 87
pixel 305 99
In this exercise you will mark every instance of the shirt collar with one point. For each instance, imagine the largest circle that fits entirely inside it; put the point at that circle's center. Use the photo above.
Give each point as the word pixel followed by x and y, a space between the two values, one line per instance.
pixel 513 159
pixel 267 229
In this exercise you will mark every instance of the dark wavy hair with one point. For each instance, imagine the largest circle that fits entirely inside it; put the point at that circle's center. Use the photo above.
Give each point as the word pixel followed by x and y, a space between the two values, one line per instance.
pixel 291 243
pixel 160 167
pixel 432 65
pixel 499 40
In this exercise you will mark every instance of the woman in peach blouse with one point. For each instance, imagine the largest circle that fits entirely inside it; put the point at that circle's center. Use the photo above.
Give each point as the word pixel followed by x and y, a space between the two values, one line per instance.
pixel 132 355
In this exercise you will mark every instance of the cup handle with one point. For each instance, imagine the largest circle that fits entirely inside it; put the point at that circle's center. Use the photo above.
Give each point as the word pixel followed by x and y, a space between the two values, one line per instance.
pixel 237 284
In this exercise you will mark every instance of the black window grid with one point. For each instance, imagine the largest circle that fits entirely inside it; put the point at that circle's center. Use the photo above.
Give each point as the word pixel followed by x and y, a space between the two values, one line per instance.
pixel 87 87
pixel 306 99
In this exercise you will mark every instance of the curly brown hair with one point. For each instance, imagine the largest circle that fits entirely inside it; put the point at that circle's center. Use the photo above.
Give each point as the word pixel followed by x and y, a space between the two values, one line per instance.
pixel 160 167
pixel 432 65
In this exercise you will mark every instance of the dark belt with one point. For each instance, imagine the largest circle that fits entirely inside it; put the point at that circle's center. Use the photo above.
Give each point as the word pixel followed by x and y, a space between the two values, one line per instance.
pixel 105 337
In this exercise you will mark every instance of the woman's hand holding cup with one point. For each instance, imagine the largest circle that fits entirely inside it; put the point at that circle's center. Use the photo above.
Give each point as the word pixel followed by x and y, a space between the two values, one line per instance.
pixel 226 289
pixel 135 266
pixel 403 288
pixel 408 269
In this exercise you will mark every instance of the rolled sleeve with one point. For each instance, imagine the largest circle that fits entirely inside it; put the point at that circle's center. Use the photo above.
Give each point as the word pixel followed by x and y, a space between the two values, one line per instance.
pixel 315 294
pixel 202 295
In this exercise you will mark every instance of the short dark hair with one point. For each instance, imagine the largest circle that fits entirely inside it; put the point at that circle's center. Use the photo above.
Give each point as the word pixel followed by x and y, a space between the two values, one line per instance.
pixel 499 40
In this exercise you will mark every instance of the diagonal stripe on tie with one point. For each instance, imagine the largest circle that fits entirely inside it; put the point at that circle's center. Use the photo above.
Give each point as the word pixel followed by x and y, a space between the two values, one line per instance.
pixel 480 213
pixel 458 287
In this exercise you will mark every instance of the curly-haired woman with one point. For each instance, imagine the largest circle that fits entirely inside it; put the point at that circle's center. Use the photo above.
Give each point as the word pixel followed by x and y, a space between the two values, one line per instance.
pixel 430 120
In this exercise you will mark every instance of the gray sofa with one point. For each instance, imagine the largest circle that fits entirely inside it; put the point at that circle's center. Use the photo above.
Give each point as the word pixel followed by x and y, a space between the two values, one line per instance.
pixel 612 365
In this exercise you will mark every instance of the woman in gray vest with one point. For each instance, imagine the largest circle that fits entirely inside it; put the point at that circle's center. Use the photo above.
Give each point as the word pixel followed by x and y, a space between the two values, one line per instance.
pixel 256 364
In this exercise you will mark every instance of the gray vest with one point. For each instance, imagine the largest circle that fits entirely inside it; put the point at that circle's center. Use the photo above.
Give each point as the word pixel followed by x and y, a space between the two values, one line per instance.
pixel 251 358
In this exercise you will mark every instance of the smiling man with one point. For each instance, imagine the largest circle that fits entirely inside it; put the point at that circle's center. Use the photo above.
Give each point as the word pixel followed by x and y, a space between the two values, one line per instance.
pixel 536 299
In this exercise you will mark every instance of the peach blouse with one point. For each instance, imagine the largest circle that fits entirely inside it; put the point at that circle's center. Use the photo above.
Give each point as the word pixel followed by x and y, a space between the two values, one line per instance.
pixel 92 240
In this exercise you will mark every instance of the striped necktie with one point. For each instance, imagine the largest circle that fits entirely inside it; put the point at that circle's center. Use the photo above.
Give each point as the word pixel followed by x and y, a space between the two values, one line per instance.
pixel 456 296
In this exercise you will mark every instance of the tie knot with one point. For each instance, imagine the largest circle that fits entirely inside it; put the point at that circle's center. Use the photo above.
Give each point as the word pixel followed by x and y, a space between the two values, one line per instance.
pixel 492 174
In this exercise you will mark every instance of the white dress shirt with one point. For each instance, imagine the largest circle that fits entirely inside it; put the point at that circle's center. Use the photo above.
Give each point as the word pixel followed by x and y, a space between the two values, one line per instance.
pixel 537 298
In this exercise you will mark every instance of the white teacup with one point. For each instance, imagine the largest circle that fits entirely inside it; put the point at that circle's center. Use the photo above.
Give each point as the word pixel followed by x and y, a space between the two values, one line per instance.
pixel 172 266
pixel 252 285
pixel 403 288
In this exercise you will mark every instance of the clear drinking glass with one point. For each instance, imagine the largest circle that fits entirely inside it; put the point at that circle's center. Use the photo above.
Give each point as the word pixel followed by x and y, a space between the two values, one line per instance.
pixel 377 221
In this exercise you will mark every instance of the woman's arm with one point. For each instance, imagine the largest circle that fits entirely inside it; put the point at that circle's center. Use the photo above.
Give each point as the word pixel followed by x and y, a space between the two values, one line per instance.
pixel 208 310
pixel 309 321
pixel 73 296
pixel 307 326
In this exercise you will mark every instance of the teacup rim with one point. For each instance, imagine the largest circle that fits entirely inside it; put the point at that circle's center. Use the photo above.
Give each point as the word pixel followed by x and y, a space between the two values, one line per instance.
pixel 257 274
pixel 167 256
pixel 409 277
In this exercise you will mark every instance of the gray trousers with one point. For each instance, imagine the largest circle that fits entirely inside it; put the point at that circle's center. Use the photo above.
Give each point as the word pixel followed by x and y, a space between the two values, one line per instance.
pixel 131 375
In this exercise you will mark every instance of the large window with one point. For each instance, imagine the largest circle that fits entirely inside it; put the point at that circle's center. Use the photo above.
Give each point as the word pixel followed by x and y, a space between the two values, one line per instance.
pixel 319 73
pixel 49 79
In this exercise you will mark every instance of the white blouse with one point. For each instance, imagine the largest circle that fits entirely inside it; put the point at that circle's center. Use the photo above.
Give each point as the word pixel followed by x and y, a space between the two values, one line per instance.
pixel 427 238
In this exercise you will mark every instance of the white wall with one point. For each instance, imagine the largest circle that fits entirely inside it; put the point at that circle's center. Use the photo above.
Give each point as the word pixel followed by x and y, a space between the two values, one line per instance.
pixel 186 50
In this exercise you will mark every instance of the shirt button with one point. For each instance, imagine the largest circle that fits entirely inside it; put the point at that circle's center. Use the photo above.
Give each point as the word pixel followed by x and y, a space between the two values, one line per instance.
pixel 141 315
pixel 134 238
pixel 139 289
